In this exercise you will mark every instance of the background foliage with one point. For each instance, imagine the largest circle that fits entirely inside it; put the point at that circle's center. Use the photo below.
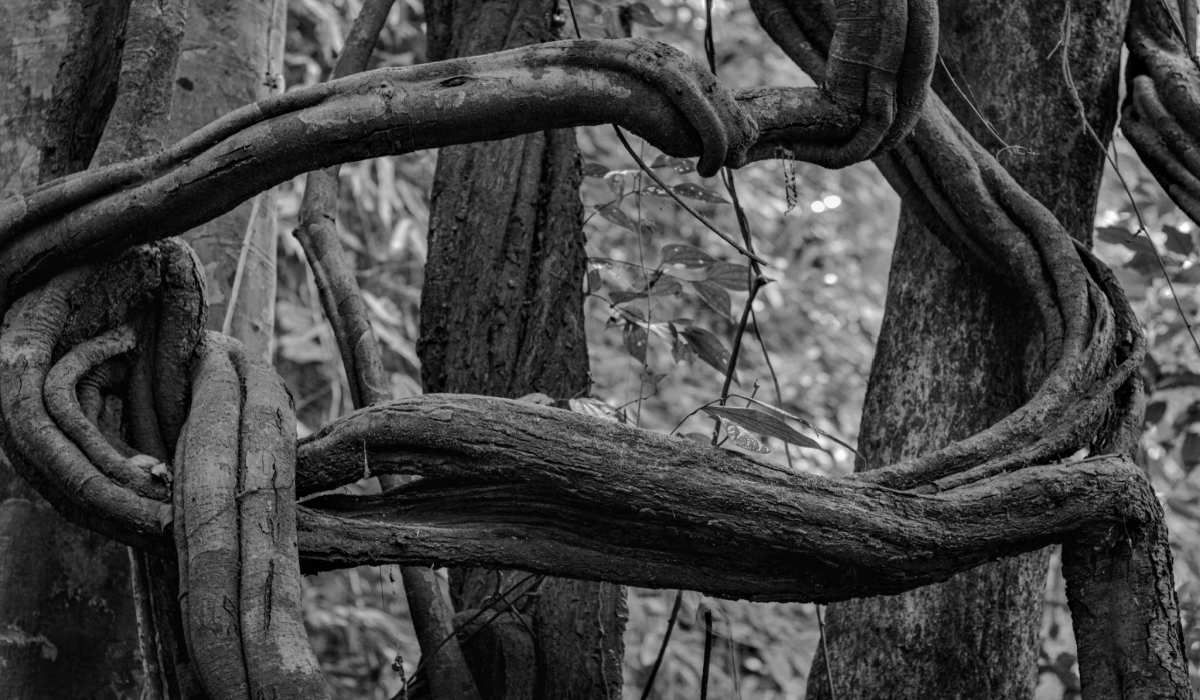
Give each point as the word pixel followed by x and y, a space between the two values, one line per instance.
pixel 828 237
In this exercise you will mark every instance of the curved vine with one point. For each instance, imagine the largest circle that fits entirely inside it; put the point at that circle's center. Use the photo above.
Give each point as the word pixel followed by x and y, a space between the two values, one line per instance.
pixel 514 485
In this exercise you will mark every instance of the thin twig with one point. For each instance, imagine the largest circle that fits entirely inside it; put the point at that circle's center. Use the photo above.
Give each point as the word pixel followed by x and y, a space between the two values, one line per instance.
pixel 708 644
pixel 662 649
pixel 687 207
pixel 825 652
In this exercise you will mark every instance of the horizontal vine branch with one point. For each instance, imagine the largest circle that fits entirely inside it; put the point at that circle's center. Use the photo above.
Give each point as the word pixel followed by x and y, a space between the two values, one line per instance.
pixel 512 484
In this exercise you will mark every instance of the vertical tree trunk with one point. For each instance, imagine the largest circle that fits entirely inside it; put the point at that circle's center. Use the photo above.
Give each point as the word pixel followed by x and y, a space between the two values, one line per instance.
pixel 233 55
pixel 502 314
pixel 67 624
pixel 954 355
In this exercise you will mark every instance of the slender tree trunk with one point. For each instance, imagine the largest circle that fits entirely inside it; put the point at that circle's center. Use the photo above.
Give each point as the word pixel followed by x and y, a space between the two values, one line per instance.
pixel 232 56
pixel 955 356
pixel 502 314
pixel 67 624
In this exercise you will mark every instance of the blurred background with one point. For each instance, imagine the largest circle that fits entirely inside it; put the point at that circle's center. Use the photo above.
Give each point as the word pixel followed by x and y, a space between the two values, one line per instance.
pixel 828 238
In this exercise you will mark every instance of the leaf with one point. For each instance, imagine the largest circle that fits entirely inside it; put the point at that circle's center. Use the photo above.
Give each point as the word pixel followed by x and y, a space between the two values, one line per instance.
pixel 166 515
pixel 1179 242
pixel 142 461
pixel 650 227
pixel 784 414
pixel 635 341
pixel 683 166
pixel 656 191
pixel 742 437
pixel 639 13
pixel 594 170
pixel 1155 412
pixel 1118 235
pixel 1190 452
pixel 1187 275
pixel 708 347
pixel 611 212
pixel 594 407
pixel 593 280
pixel 537 397
pixel 162 472
pixel 699 192
pixel 730 276
pixel 681 350
pixel 661 289
pixel 763 423
pixel 686 255
pixel 712 294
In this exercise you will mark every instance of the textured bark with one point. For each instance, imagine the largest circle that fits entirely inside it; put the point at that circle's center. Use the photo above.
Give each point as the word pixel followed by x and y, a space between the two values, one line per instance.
pixel 521 486
pixel 956 352
pixel 232 56
pixel 67 623
pixel 502 314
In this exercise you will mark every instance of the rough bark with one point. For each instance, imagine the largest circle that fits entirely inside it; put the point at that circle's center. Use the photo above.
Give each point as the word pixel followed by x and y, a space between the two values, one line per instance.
pixel 520 486
pixel 67 623
pixel 508 482
pixel 957 351
pixel 502 314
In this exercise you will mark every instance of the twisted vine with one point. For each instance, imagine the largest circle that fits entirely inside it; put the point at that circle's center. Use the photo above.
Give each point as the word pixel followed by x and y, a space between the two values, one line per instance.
pixel 518 486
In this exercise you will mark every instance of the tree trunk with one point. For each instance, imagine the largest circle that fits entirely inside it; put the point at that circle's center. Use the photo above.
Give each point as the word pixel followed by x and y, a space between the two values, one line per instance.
pixel 954 355
pixel 502 314
pixel 232 56
pixel 67 623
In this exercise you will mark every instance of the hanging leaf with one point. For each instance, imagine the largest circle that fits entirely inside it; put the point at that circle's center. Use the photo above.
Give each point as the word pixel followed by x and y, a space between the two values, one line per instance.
pixel 594 266
pixel 635 341
pixel 640 14
pixel 730 276
pixel 1155 412
pixel 1121 236
pixel 632 314
pixel 763 423
pixel 784 415
pixel 742 437
pixel 708 347
pixel 593 280
pixel 594 170
pixel 651 379
pixel 1187 275
pixel 699 192
pixel 595 408
pixel 611 212
pixel 683 166
pixel 1179 242
pixel 649 227
pixel 686 255
pixel 666 286
pixel 712 294
pixel 681 351
pixel 537 397
pixel 1190 452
